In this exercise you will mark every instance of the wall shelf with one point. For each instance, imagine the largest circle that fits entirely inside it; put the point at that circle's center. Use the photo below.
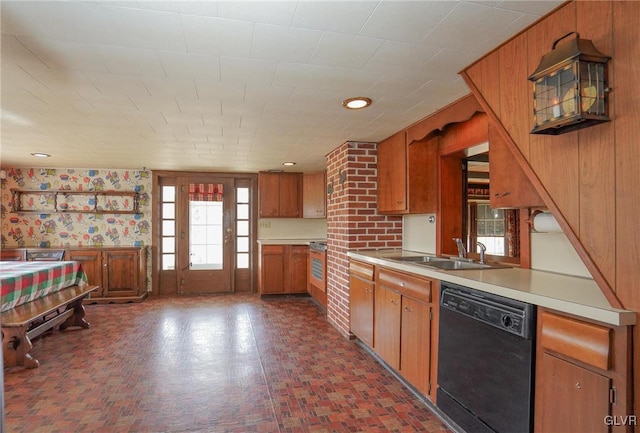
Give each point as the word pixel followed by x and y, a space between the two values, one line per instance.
pixel 62 201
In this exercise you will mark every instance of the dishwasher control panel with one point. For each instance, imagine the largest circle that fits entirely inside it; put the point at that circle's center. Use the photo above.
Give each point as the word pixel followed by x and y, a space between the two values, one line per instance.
pixel 503 313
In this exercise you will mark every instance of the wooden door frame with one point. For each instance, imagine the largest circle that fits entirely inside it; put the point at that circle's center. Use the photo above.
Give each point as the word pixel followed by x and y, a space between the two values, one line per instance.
pixel 251 178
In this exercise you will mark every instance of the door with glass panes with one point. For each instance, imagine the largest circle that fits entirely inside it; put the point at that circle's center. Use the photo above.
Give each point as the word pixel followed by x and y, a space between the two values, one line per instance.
pixel 198 243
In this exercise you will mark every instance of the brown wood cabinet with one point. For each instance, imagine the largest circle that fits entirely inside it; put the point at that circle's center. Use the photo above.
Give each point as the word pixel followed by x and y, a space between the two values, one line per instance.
pixel 119 271
pixel 388 316
pixel 314 195
pixel 279 195
pixel 13 254
pixel 407 175
pixel 580 384
pixel 361 301
pixel 283 269
pixel 403 315
pixel 509 185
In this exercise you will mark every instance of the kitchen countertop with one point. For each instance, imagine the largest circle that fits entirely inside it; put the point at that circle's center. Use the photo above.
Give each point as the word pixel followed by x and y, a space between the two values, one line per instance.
pixel 574 295
pixel 289 241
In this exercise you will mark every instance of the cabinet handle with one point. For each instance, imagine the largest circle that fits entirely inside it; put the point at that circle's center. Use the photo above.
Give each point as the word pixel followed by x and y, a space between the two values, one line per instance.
pixel 502 194
pixel 408 309
pixel 401 284
pixel 394 302
pixel 578 385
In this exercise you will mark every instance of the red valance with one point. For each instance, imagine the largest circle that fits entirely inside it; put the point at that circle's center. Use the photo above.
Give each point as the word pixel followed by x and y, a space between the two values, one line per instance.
pixel 205 191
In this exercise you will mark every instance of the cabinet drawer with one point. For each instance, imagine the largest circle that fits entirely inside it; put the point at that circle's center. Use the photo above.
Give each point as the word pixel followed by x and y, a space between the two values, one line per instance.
pixel 361 269
pixel 407 285
pixel 273 249
pixel 583 341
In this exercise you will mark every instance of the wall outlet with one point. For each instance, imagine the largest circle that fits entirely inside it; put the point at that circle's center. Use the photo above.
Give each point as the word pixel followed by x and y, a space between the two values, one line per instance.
pixel 264 224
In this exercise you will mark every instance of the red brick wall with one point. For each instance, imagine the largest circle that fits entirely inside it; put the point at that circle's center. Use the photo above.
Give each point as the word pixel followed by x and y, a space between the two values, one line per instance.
pixel 352 221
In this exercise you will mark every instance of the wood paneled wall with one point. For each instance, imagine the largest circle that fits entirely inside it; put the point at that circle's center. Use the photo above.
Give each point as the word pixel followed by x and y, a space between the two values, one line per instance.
pixel 589 178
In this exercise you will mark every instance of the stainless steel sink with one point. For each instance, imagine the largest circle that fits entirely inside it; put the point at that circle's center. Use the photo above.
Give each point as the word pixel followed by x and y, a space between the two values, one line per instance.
pixel 446 263
pixel 419 259
pixel 454 265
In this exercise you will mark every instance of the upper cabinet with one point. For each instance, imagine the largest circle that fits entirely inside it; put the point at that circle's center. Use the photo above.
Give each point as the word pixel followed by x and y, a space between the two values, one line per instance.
pixel 407 175
pixel 509 187
pixel 314 195
pixel 280 195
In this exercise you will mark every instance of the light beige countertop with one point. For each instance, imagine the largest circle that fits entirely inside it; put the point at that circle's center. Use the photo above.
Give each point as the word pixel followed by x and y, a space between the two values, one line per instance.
pixel 574 295
pixel 288 241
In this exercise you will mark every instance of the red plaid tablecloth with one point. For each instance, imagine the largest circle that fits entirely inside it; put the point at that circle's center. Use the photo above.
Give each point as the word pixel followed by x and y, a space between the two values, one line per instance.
pixel 23 282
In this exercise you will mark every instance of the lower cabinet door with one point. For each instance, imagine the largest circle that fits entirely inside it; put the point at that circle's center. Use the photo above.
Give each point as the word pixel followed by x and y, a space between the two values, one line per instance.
pixel 415 344
pixel 91 262
pixel 122 276
pixel 361 309
pixel 387 326
pixel 573 399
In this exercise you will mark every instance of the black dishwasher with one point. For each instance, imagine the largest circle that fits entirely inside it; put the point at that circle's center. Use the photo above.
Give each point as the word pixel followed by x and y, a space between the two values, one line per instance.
pixel 485 360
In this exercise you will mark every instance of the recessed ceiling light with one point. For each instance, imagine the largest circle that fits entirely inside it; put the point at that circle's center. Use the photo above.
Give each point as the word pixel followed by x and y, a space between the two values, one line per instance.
pixel 41 155
pixel 356 103
pixel 289 163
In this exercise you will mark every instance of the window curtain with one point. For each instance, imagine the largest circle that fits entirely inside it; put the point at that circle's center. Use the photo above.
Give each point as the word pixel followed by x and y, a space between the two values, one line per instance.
pixel 513 233
pixel 205 191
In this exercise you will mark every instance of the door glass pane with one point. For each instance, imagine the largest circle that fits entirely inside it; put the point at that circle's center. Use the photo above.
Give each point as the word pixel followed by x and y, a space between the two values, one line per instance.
pixel 168 262
pixel 168 245
pixel 242 195
pixel 243 245
pixel 205 235
pixel 243 212
pixel 168 211
pixel 168 228
pixel 243 228
pixel 243 261
pixel 168 193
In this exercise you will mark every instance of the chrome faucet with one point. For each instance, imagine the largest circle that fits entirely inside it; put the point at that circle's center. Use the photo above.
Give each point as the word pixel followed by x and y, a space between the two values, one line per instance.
pixel 462 252
pixel 483 249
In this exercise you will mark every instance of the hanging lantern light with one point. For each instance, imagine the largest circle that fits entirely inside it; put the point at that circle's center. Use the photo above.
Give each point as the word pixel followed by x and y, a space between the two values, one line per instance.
pixel 570 87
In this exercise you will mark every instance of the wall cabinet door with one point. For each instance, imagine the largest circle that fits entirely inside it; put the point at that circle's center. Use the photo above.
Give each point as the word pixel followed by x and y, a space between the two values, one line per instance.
pixel 415 343
pixel 268 195
pixel 279 195
pixel 314 195
pixel 290 195
pixel 509 186
pixel 408 175
pixel 387 326
pixel 392 174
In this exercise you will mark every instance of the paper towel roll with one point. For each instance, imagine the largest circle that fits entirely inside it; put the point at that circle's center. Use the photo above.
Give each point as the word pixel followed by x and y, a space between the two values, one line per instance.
pixel 544 222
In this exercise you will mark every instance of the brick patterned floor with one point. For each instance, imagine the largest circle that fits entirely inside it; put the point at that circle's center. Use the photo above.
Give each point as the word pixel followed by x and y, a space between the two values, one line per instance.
pixel 230 363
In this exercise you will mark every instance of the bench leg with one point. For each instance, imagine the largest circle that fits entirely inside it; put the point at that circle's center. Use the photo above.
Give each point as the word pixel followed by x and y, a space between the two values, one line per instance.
pixel 16 346
pixel 77 319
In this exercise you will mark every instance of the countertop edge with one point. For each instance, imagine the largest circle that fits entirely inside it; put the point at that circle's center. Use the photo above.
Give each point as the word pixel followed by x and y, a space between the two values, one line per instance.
pixel 289 241
pixel 601 313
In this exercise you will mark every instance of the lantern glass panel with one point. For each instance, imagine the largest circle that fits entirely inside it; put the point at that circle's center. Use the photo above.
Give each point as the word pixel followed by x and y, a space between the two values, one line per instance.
pixel 555 95
pixel 592 88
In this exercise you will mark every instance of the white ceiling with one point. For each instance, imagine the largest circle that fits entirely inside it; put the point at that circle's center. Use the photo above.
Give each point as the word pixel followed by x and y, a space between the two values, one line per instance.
pixel 231 85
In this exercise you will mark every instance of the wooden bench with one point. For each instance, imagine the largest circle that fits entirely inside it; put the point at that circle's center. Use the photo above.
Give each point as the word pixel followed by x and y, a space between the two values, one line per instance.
pixel 22 323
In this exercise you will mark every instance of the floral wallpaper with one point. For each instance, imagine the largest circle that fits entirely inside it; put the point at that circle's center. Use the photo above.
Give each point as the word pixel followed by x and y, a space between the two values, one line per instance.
pixel 70 229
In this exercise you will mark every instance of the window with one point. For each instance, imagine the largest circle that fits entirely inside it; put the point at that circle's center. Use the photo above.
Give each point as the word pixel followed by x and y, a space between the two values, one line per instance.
pixel 242 228
pixel 168 217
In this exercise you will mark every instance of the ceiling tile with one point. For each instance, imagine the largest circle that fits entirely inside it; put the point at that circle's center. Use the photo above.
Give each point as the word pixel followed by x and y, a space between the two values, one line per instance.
pixel 283 43
pixel 333 16
pixel 222 37
pixel 354 51
pixel 407 21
